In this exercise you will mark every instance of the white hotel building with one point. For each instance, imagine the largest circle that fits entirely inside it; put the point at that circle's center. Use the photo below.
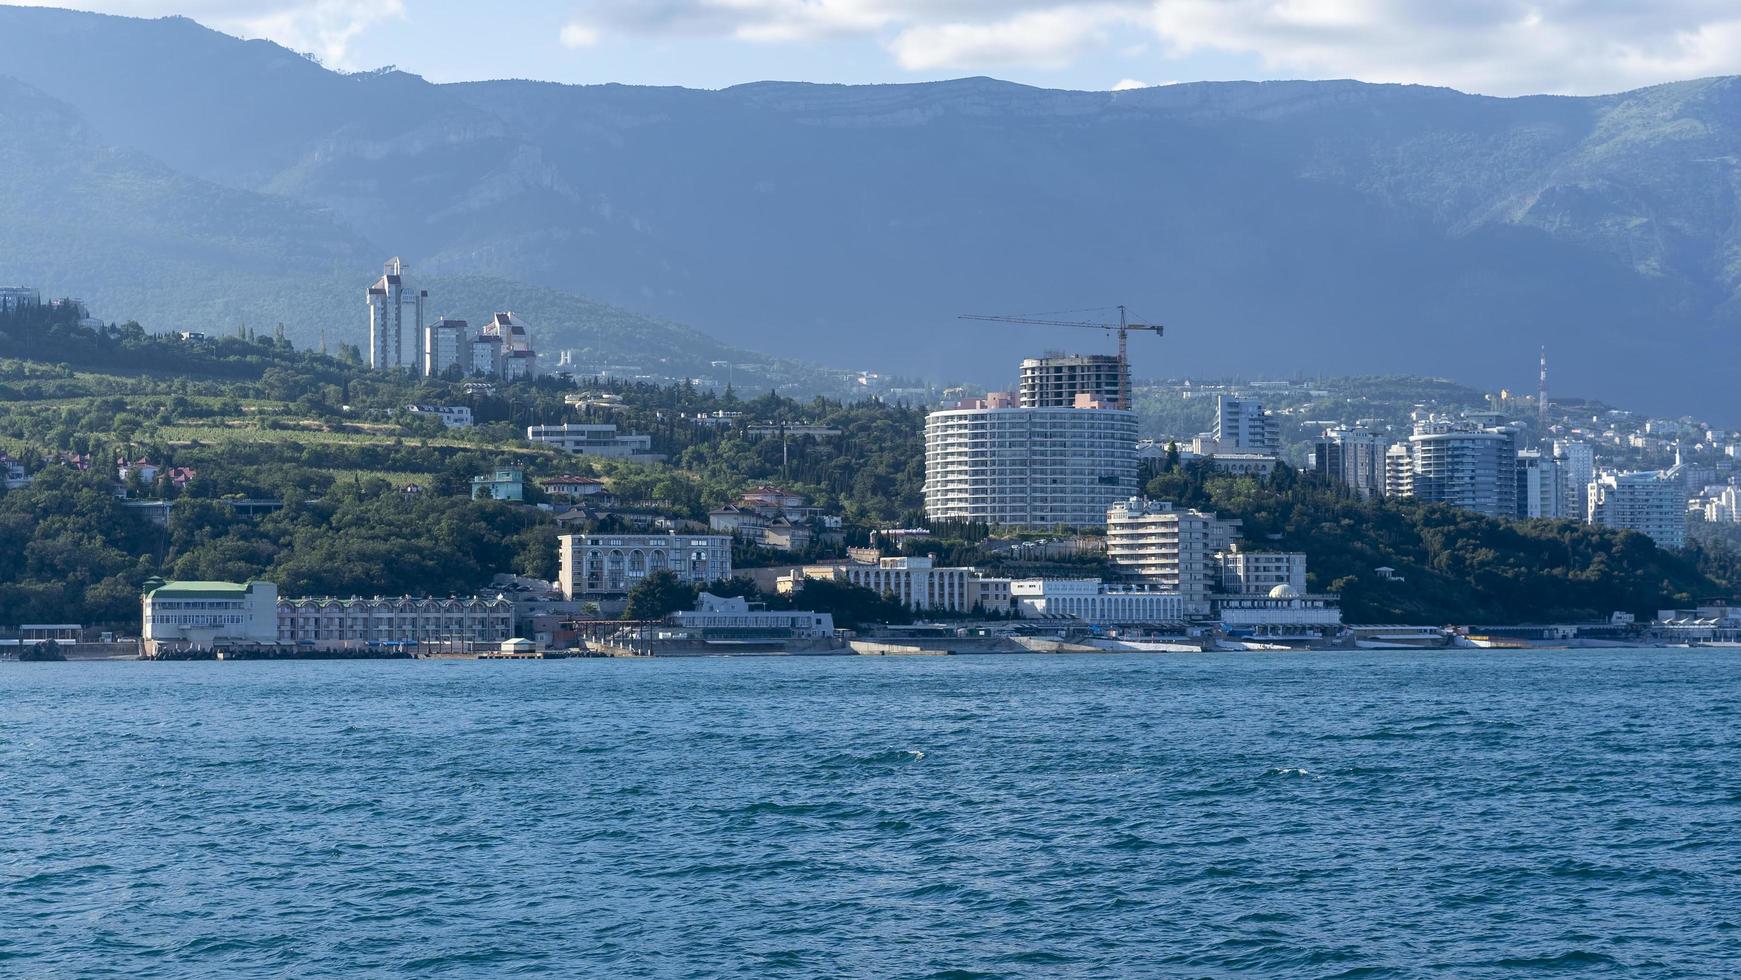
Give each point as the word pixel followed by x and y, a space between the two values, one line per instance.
pixel 1093 601
pixel 1032 467
pixel 612 564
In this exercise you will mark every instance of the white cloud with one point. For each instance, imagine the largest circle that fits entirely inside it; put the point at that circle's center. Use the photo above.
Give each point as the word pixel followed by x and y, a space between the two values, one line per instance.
pixel 1040 38
pixel 324 28
pixel 1501 47
pixel 1494 46
pixel 578 35
pixel 1126 84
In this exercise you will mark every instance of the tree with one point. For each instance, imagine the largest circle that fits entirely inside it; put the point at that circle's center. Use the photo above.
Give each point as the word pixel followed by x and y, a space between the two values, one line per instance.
pixel 658 595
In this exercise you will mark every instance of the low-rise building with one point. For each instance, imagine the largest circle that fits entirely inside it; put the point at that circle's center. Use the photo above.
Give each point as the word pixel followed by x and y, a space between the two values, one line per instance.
pixel 1097 602
pixel 505 483
pixel 573 487
pixel 1283 612
pixel 454 624
pixel 452 416
pixel 736 618
pixel 199 615
pixel 594 439
pixel 612 564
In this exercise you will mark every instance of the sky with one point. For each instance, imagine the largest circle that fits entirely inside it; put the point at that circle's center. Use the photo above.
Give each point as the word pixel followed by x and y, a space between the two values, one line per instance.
pixel 1495 47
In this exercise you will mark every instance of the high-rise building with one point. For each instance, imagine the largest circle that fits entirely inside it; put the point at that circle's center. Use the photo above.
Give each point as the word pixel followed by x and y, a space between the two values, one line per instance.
pixel 486 355
pixel 1243 425
pixel 1463 464
pixel 446 347
pixel 388 300
pixel 1653 502
pixel 1032 467
pixel 1399 470
pixel 1578 460
pixel 1172 547
pixel 1541 485
pixel 516 358
pixel 1353 456
pixel 1055 380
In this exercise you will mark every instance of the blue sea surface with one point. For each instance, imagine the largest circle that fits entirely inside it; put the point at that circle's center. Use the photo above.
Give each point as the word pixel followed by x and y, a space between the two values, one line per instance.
pixel 1339 814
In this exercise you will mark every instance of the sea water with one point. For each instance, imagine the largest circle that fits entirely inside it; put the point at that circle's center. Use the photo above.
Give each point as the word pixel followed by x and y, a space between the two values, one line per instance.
pixel 1337 814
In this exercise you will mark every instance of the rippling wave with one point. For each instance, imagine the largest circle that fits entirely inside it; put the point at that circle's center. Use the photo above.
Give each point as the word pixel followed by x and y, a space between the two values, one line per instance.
pixel 1352 815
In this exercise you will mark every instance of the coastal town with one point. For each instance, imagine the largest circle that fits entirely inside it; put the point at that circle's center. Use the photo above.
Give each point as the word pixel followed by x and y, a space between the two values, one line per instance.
pixel 1051 480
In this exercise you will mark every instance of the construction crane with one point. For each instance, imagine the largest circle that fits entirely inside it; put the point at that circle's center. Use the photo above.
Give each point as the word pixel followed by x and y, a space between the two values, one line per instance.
pixel 1124 326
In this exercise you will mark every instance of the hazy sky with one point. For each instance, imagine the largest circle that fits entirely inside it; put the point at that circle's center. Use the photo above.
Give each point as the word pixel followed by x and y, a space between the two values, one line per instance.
pixel 1500 47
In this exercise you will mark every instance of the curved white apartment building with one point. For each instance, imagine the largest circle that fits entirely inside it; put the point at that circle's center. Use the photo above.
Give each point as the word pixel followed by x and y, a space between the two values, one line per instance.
pixel 1033 467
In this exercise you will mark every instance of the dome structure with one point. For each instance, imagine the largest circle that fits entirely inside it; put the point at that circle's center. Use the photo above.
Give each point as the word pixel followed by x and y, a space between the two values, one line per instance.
pixel 1284 591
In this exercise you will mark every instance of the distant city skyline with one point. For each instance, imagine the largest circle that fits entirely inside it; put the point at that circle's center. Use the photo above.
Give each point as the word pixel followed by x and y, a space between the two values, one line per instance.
pixel 1499 47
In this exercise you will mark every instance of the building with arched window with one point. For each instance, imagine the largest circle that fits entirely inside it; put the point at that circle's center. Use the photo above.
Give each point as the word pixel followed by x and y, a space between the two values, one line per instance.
pixel 612 564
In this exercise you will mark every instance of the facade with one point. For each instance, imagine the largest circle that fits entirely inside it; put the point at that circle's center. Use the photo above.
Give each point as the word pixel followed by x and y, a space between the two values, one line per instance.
pixel 1171 547
pixel 612 564
pixel 1466 465
pixel 446 347
pixel 1541 486
pixel 1055 380
pixel 1354 457
pixel 394 305
pixel 1651 502
pixel 916 583
pixel 1243 425
pixel 1094 601
pixel 505 483
pixel 486 356
pixel 452 416
pixel 1282 612
pixel 15 298
pixel 736 618
pixel 1578 460
pixel 572 486
pixel 516 357
pixel 1399 471
pixel 429 624
pixel 207 615
pixel 1257 572
pixel 1032 467
pixel 591 439
pixel 1724 506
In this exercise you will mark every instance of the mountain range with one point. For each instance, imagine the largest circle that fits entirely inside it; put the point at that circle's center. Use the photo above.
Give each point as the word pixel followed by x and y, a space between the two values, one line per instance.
pixel 1277 228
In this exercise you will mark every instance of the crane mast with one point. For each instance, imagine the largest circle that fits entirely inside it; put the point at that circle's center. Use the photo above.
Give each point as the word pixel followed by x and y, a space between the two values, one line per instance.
pixel 1124 326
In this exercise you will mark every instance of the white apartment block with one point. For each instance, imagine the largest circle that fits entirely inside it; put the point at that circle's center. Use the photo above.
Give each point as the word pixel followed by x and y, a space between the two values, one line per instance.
pixel 1258 572
pixel 1541 485
pixel 206 615
pixel 612 564
pixel 1032 467
pixel 389 299
pixel 1724 507
pixel 429 624
pixel 1094 601
pixel 591 439
pixel 1172 547
pixel 1463 464
pixel 920 585
pixel 1650 502
pixel 446 347
pixel 1243 425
